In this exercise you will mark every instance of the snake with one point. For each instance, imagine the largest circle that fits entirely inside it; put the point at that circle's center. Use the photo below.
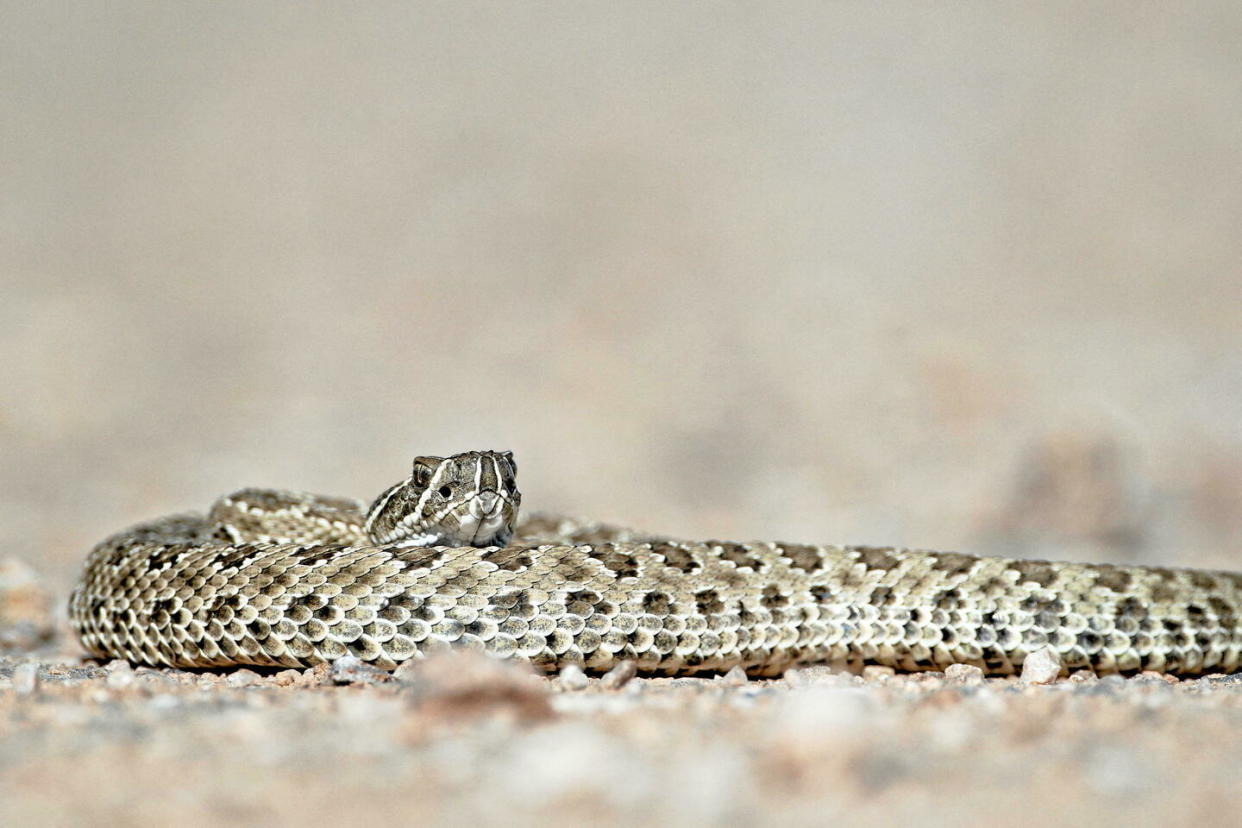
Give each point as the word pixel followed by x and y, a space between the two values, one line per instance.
pixel 444 560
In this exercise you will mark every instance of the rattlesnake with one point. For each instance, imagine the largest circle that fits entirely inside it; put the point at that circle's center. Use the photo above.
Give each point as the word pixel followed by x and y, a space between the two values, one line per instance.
pixel 280 578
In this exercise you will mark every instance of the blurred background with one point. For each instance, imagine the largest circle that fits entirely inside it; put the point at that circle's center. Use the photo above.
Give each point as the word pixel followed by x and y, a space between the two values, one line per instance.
pixel 956 276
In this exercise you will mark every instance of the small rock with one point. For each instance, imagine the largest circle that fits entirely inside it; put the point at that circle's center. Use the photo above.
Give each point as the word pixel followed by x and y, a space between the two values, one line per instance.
pixel 286 678
pixel 1084 676
pixel 963 674
pixel 819 674
pixel 243 678
pixel 572 678
pixel 120 674
pixel 619 676
pixel 798 677
pixel 736 677
pixel 877 672
pixel 1041 667
pixel 353 670
pixel 318 676
pixel 456 685
pixel 25 678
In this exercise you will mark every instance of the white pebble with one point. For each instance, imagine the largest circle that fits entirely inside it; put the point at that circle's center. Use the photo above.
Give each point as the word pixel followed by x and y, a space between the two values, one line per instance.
pixel 1042 666
pixel 243 678
pixel 619 676
pixel 350 669
pixel 25 678
pixel 736 677
pixel 572 677
pixel 120 674
pixel 963 674
pixel 877 672
pixel 821 675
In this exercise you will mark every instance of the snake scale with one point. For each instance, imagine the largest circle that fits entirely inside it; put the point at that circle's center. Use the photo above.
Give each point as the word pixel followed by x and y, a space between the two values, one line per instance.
pixel 440 560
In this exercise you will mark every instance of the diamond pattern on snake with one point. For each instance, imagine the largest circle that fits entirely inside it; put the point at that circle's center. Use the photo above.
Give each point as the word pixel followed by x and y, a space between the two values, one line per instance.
pixel 440 560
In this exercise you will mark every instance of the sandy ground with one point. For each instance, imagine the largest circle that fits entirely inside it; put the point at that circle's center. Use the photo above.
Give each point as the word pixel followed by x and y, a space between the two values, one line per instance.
pixel 461 739
pixel 953 276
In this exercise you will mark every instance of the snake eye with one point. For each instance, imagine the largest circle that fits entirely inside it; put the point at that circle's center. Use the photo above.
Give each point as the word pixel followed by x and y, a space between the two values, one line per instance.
pixel 445 491
pixel 425 469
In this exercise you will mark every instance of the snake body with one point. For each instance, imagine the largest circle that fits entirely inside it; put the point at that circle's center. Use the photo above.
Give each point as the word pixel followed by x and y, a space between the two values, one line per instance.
pixel 286 579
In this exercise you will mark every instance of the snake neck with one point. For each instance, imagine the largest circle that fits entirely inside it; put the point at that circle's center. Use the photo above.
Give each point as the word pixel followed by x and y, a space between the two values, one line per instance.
pixel 468 499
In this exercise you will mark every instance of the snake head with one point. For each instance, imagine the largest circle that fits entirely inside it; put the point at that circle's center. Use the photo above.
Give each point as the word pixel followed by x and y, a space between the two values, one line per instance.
pixel 468 499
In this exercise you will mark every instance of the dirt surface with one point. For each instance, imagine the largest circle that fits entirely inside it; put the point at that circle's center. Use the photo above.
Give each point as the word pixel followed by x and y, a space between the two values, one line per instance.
pixel 462 739
pixel 956 276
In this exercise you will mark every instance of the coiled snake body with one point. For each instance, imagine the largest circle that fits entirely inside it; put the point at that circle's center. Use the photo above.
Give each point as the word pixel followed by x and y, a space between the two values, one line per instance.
pixel 279 578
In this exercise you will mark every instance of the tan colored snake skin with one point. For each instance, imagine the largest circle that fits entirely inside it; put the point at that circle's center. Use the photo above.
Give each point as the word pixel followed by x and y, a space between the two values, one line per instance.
pixel 277 578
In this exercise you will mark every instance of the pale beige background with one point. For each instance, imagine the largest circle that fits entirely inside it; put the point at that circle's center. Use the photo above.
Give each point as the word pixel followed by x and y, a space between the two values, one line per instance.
pixel 951 275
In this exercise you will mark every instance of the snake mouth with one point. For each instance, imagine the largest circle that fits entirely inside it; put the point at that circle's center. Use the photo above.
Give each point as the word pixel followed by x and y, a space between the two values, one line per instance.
pixel 485 531
pixel 485 504
pixel 486 519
